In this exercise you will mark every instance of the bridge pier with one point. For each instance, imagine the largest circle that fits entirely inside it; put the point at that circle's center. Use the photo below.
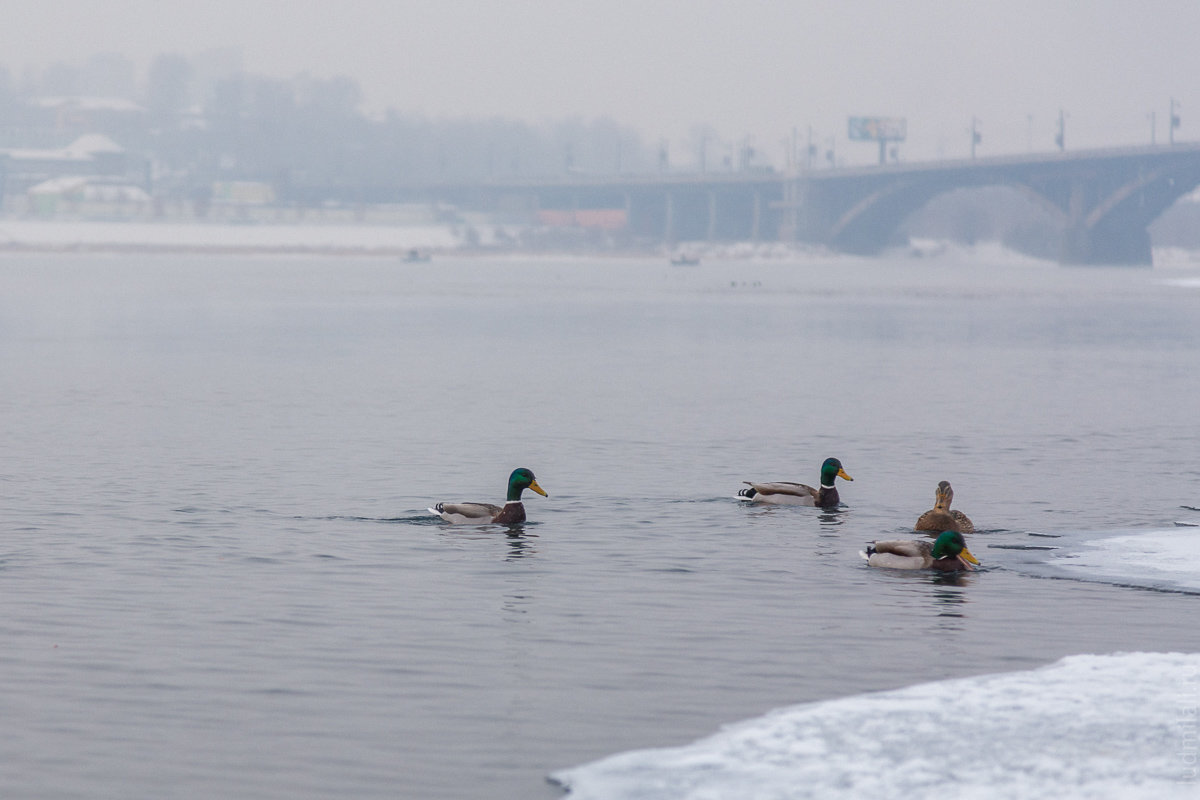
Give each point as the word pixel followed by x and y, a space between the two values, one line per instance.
pixel 1109 245
pixel 669 219
pixel 789 207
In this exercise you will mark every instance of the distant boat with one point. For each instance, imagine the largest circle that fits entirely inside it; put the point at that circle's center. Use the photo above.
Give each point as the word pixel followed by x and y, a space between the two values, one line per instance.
pixel 685 260
pixel 416 257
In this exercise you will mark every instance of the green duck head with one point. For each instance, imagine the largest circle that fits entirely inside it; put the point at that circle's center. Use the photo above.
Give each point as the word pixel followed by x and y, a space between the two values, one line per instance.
pixel 520 480
pixel 832 468
pixel 951 544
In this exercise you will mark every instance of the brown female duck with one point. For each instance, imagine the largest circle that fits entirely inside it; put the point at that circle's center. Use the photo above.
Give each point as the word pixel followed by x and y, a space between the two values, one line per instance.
pixel 940 517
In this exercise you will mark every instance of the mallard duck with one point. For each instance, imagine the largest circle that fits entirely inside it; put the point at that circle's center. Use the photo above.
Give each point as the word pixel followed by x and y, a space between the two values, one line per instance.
pixel 948 553
pixel 513 511
pixel 940 517
pixel 798 494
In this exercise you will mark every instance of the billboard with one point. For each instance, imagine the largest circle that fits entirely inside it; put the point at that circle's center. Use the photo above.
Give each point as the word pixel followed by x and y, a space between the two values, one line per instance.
pixel 878 129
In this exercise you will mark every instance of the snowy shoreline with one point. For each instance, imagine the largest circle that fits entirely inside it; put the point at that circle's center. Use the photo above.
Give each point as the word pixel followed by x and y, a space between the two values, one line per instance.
pixel 1098 726
pixel 19 235
pixel 45 236
pixel 339 239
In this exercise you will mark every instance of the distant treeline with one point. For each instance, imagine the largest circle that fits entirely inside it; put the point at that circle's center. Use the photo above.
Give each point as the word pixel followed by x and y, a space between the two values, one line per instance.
pixel 194 124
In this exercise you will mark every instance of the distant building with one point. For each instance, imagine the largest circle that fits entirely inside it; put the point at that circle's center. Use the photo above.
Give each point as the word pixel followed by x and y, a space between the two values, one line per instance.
pixel 93 156
pixel 88 197
pixel 75 115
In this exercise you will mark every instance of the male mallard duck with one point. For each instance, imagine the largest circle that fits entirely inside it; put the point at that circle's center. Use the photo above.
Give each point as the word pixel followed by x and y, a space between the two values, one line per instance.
pixel 512 512
pixel 940 517
pixel 948 554
pixel 798 494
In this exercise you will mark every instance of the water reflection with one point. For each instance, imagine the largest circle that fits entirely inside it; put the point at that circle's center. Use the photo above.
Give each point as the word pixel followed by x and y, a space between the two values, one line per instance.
pixel 948 595
pixel 962 578
pixel 520 544
pixel 831 517
pixel 513 607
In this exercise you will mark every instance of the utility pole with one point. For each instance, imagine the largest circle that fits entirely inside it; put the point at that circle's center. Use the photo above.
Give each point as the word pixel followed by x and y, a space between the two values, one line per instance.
pixel 1152 131
pixel 1060 138
pixel 745 155
pixel 1175 122
pixel 976 136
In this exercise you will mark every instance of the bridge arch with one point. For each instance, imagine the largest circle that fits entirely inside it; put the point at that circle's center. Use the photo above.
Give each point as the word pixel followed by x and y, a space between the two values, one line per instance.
pixel 868 225
pixel 1102 205
pixel 877 220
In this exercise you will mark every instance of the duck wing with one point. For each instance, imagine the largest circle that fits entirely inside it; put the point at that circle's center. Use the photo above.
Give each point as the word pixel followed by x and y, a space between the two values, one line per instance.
pixel 900 554
pixel 467 513
pixel 963 522
pixel 905 547
pixel 783 487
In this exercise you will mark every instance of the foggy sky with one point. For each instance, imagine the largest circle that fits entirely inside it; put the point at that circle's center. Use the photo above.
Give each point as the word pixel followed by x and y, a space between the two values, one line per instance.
pixel 749 69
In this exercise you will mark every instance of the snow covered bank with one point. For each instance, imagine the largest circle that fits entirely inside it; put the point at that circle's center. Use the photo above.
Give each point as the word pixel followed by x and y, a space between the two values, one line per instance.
pixel 1159 559
pixel 44 235
pixel 1097 726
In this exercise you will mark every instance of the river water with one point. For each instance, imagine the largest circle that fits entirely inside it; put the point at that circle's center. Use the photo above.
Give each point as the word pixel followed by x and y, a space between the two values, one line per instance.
pixel 218 577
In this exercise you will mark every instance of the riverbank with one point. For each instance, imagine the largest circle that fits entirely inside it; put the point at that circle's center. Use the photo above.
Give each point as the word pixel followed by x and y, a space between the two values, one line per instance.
pixel 339 238
pixel 119 236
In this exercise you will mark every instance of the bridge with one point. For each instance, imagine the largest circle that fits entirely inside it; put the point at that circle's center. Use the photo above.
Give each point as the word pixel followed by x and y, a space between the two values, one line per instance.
pixel 1101 200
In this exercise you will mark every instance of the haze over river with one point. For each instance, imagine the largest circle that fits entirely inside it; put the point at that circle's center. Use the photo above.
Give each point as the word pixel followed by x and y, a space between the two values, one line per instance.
pixel 218 577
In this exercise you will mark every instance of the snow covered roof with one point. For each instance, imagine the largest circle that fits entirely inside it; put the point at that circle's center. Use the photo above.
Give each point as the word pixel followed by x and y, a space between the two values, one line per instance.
pixel 32 154
pixel 82 149
pixel 86 103
pixel 92 143
pixel 64 184
pixel 86 188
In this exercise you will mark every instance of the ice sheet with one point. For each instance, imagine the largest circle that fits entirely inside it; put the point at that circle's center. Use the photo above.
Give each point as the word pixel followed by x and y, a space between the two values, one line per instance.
pixel 1165 559
pixel 1096 726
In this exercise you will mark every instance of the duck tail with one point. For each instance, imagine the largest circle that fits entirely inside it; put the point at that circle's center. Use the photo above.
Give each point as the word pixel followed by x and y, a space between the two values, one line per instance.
pixel 747 494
